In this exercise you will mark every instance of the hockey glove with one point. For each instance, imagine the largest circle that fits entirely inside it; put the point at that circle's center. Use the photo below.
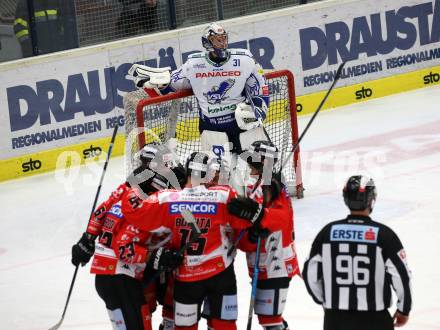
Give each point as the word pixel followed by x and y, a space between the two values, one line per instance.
pixel 165 260
pixel 275 187
pixel 246 208
pixel 83 250
pixel 260 107
pixel 245 117
pixel 256 231
pixel 180 173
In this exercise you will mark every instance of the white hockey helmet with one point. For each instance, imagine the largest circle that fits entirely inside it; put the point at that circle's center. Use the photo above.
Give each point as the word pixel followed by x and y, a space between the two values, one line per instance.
pixel 215 39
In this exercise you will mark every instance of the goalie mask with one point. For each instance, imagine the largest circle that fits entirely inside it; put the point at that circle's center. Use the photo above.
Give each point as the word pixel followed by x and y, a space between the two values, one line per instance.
pixel 359 193
pixel 261 154
pixel 215 39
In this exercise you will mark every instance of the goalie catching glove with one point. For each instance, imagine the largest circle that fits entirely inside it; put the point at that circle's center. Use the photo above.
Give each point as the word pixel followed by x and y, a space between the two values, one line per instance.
pixel 248 117
pixel 152 78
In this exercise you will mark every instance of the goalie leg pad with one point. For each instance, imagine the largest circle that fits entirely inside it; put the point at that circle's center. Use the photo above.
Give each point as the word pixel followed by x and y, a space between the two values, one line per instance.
pixel 239 174
pixel 216 143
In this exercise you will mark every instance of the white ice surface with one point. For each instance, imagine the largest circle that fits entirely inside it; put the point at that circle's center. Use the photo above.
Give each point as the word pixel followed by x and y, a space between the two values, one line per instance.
pixel 398 137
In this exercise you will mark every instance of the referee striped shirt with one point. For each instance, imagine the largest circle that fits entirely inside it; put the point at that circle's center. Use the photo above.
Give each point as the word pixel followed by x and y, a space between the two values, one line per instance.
pixel 353 265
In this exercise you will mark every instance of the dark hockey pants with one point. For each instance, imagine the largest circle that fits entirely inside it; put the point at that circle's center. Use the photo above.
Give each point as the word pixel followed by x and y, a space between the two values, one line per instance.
pixel 354 320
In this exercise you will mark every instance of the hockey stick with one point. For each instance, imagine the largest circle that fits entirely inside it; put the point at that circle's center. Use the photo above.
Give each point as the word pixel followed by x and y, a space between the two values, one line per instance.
pixel 242 232
pixel 195 234
pixel 110 148
pixel 237 241
pixel 254 284
pixel 295 146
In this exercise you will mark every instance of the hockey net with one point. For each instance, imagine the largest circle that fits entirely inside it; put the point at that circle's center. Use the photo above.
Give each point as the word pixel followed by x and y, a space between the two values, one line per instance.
pixel 176 116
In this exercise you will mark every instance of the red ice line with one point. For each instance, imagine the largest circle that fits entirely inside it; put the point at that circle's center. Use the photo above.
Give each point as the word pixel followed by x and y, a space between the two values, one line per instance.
pixel 394 153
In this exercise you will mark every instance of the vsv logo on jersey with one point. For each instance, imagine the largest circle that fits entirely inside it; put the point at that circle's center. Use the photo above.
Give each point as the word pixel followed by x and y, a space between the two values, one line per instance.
pixel 354 233
pixel 195 208
pixel 217 94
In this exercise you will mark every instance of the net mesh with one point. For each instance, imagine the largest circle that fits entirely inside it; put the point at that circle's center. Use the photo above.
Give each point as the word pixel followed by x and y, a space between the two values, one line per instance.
pixel 177 116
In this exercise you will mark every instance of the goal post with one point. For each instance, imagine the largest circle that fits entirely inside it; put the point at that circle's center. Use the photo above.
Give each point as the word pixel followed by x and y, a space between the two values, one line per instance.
pixel 176 115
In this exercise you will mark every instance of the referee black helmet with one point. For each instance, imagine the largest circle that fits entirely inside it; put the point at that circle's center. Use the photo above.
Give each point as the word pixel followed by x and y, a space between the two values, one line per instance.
pixel 359 193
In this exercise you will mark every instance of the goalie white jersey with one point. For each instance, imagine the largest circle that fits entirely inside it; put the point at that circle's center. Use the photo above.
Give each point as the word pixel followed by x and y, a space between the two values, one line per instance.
pixel 219 88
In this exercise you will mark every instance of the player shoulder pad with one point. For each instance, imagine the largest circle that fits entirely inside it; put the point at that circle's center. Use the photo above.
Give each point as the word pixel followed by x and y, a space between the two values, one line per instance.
pixel 196 55
pixel 240 52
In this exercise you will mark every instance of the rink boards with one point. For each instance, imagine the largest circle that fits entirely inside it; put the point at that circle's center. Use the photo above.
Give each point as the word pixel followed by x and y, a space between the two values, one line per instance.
pixel 79 154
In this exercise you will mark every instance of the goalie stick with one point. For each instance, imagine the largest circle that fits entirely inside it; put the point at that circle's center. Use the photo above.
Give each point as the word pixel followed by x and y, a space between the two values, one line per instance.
pixel 110 148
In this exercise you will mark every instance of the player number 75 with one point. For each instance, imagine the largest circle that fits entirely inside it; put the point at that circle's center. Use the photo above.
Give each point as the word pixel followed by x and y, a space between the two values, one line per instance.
pixel 198 246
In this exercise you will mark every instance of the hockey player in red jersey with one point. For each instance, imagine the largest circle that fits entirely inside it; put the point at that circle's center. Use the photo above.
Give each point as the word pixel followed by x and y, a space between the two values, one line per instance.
pixel 119 260
pixel 152 155
pixel 278 262
pixel 206 262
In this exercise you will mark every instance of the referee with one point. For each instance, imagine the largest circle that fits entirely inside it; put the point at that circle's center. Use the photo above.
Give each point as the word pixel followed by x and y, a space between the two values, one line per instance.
pixel 353 265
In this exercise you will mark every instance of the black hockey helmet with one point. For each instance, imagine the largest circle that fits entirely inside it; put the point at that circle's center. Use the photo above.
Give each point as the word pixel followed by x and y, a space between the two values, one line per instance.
pixel 259 151
pixel 155 156
pixel 147 154
pixel 197 165
pixel 147 181
pixel 359 193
